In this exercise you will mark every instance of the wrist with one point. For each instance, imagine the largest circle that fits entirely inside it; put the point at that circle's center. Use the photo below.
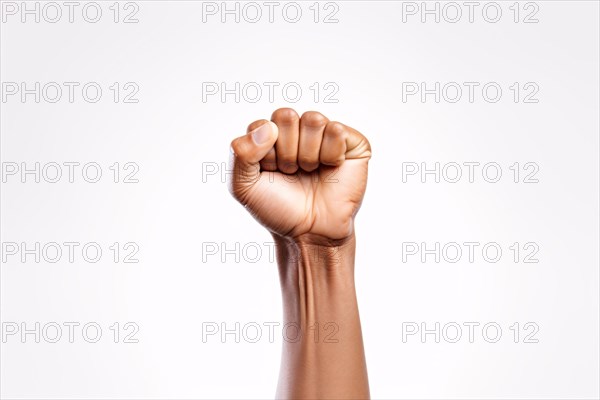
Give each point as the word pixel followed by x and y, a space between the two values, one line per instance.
pixel 312 239
pixel 317 278
pixel 321 312
pixel 323 257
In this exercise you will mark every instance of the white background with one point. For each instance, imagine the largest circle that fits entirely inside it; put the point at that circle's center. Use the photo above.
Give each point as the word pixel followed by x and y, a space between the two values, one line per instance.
pixel 174 212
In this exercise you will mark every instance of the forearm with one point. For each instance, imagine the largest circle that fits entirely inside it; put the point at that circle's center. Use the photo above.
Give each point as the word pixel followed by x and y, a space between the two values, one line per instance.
pixel 319 302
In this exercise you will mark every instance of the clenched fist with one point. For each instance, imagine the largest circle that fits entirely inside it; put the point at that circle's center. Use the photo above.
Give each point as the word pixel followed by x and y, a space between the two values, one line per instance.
pixel 301 175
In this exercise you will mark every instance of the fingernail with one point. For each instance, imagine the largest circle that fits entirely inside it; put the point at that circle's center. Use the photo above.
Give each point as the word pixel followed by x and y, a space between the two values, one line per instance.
pixel 262 134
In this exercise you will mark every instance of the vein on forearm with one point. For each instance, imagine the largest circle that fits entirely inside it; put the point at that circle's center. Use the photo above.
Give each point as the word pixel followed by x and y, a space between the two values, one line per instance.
pixel 316 280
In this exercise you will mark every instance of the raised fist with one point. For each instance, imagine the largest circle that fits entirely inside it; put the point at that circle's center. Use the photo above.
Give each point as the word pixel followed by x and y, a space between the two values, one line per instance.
pixel 301 176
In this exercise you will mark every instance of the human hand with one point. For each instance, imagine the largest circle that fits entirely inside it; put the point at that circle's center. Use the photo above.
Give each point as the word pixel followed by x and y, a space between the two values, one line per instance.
pixel 301 176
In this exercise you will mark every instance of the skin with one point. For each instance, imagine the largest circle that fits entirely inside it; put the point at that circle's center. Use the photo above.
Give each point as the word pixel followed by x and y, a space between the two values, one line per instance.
pixel 304 178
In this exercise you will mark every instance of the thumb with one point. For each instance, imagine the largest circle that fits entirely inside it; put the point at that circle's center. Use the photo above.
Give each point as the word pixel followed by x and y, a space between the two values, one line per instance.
pixel 247 151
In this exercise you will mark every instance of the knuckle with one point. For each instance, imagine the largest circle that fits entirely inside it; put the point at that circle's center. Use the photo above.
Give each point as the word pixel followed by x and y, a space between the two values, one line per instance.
pixel 336 130
pixel 285 116
pixel 307 160
pixel 288 167
pixel 256 124
pixel 235 146
pixel 313 119
pixel 309 167
pixel 286 158
pixel 269 165
pixel 238 147
pixel 337 162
